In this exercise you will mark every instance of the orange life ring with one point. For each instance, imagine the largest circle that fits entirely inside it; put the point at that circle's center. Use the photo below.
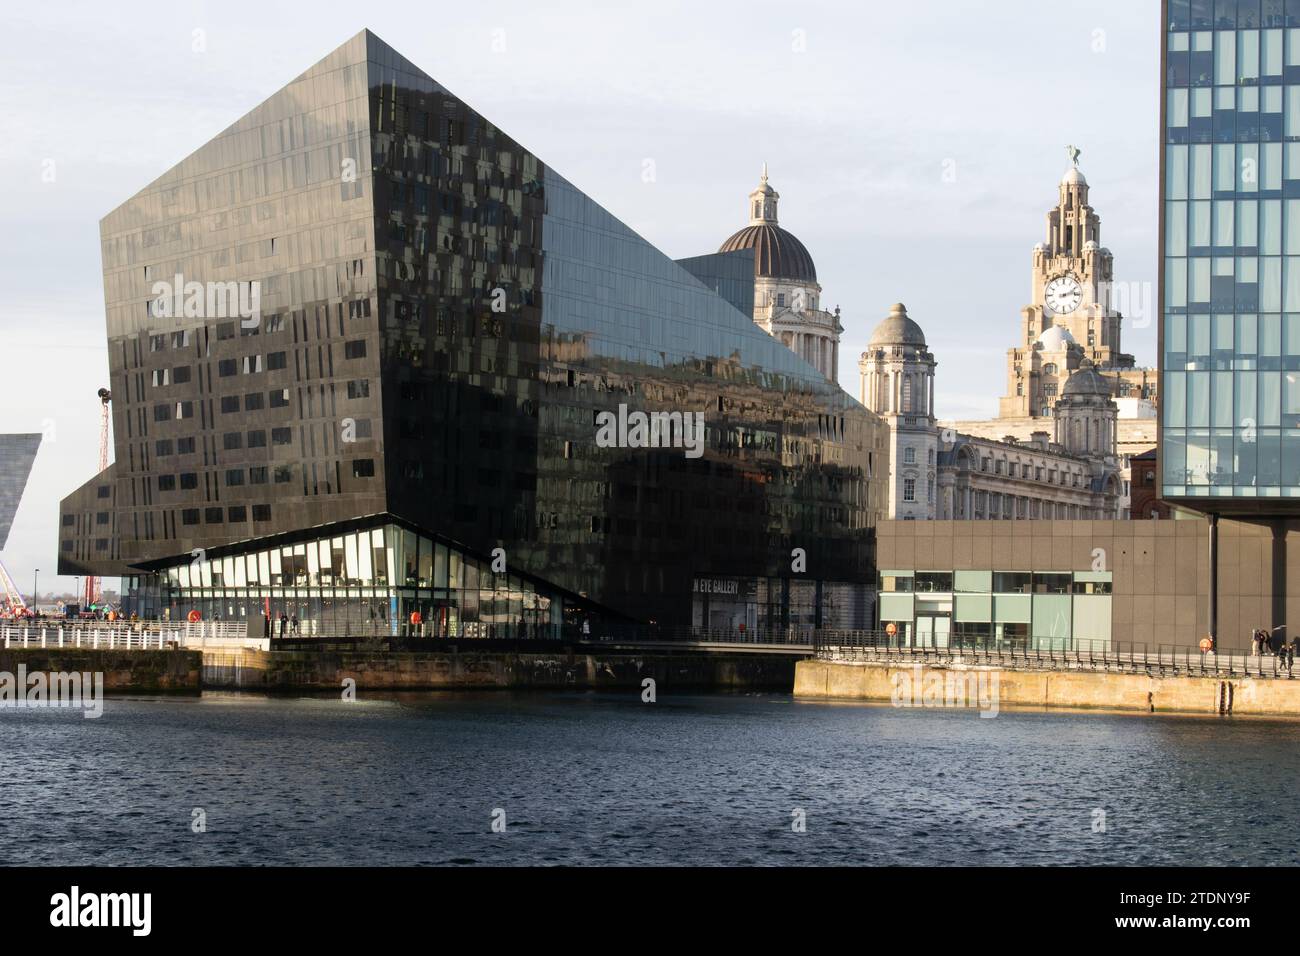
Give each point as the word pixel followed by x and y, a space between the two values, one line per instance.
pixel 194 616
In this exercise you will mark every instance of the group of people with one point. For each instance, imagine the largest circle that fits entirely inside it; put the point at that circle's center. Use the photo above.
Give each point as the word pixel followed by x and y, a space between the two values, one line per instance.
pixel 286 622
pixel 1272 642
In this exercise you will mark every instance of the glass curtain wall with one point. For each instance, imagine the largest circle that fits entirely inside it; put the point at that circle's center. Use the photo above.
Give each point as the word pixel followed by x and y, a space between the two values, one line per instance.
pixel 382 581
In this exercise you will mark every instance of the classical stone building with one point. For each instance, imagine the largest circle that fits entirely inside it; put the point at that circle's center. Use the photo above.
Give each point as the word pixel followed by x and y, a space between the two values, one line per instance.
pixel 939 472
pixel 787 296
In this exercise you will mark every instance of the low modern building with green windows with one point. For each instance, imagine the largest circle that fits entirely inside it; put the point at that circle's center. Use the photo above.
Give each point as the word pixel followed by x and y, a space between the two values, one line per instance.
pixel 1044 610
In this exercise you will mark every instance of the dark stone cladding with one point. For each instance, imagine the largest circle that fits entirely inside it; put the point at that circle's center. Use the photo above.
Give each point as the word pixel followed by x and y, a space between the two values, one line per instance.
pixel 471 412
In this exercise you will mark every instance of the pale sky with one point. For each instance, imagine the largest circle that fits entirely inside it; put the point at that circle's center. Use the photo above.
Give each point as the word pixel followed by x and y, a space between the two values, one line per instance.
pixel 858 108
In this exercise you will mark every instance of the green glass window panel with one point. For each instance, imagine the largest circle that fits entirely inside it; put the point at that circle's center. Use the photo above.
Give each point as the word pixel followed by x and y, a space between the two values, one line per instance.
pixel 1012 608
pixel 979 582
pixel 1092 616
pixel 973 607
pixel 895 607
pixel 1052 613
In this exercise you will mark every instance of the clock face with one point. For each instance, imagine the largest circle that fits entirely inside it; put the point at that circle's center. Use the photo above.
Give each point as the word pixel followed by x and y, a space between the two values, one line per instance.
pixel 1063 294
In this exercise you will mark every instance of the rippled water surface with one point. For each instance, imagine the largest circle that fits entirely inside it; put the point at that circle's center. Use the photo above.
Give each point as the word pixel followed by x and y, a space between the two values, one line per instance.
pixel 605 778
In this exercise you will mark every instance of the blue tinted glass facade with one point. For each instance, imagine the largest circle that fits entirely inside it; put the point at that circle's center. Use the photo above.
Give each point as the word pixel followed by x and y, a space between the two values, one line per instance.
pixel 1230 228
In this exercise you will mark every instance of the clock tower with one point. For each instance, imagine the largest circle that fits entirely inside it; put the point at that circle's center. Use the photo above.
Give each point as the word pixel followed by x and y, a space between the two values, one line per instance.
pixel 1070 316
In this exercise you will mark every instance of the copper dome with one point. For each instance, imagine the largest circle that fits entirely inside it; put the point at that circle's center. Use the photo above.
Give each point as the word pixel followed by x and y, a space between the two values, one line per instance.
pixel 777 253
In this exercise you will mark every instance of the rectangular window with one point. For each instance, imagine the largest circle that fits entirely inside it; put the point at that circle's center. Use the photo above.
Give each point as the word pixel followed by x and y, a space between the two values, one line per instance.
pixel 232 440
pixel 276 361
pixel 281 436
pixel 257 439
pixel 257 475
pixel 363 468
pixel 163 447
pixel 279 398
pixel 185 446
pixel 189 480
pixel 227 368
pixel 234 477
pixel 354 349
pixel 252 401
pixel 229 403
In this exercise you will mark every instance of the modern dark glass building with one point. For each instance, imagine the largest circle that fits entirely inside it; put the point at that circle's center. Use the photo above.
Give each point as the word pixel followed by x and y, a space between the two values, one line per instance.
pixel 440 321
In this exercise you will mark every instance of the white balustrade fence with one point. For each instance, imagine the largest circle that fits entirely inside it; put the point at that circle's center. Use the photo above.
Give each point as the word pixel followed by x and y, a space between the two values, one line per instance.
pixel 139 636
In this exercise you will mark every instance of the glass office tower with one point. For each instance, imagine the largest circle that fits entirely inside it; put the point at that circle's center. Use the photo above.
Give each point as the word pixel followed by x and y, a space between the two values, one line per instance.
pixel 443 318
pixel 1230 235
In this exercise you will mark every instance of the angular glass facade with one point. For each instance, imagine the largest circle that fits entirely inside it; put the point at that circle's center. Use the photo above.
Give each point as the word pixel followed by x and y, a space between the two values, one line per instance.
pixel 1230 233
pixel 442 320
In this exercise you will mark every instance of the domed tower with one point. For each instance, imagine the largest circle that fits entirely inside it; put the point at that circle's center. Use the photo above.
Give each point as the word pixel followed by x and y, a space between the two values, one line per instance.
pixel 1086 414
pixel 897 383
pixel 787 297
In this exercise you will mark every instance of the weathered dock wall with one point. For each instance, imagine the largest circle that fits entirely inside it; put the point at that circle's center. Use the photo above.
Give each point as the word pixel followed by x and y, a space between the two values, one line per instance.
pixel 1068 689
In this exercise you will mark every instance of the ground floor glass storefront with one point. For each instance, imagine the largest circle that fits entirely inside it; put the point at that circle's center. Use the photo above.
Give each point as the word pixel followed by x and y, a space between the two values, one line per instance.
pixel 762 604
pixel 1054 610
pixel 358 583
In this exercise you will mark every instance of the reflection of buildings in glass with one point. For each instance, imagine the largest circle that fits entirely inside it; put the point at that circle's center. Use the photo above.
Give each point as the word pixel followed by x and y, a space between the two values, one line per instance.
pixel 938 472
pixel 1230 282
pixel 439 327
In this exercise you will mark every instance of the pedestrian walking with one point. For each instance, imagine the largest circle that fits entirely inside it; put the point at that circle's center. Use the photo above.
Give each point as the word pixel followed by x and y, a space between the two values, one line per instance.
pixel 293 624
pixel 284 623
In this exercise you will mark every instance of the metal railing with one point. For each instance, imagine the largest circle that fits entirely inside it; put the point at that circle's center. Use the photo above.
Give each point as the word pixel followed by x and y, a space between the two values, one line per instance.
pixel 135 635
pixel 1118 656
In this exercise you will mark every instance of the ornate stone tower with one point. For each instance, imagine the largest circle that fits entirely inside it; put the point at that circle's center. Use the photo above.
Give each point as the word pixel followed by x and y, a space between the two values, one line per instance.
pixel 1086 414
pixel 1070 291
pixel 787 297
pixel 897 383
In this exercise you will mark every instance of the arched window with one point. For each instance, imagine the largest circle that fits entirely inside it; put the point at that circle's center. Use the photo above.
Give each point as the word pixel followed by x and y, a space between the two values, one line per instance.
pixel 1049 368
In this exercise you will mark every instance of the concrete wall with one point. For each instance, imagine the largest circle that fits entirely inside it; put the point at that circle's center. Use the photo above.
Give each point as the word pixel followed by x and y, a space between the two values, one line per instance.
pixel 1161 568
pixel 124 671
pixel 1075 689
pixel 307 670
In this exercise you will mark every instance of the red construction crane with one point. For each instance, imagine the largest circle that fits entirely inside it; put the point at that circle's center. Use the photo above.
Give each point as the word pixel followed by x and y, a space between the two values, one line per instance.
pixel 94 585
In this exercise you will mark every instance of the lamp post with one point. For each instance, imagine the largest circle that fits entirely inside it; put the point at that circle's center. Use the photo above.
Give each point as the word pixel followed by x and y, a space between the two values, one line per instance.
pixel 36 572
